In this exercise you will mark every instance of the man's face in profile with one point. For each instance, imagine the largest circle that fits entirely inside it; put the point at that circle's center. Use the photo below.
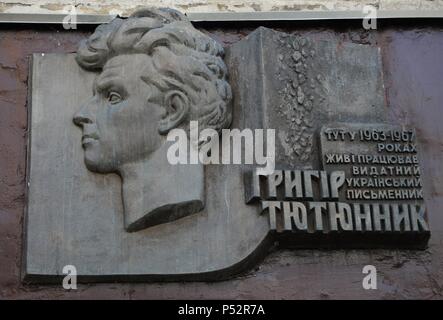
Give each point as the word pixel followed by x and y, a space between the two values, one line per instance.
pixel 120 120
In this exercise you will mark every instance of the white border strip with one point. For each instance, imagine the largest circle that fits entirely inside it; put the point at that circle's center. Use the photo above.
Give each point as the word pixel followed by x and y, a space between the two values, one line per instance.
pixel 56 18
pixel 311 15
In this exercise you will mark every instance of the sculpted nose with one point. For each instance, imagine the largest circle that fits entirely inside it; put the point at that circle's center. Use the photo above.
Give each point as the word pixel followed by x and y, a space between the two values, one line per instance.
pixel 83 116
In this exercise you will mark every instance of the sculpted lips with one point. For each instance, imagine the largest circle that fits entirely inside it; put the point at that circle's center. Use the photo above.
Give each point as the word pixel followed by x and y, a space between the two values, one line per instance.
pixel 87 139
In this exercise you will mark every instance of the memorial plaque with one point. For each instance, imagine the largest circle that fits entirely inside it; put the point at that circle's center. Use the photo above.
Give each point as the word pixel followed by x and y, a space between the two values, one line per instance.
pixel 381 165
pixel 367 194
pixel 105 122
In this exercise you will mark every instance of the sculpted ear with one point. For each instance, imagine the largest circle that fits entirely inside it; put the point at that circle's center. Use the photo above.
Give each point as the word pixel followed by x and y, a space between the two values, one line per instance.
pixel 176 104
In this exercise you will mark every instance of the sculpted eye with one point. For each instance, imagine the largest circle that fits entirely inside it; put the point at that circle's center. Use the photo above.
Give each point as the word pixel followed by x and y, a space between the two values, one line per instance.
pixel 114 97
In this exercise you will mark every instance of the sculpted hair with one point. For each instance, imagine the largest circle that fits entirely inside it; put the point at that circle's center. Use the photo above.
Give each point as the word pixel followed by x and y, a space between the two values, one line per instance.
pixel 184 59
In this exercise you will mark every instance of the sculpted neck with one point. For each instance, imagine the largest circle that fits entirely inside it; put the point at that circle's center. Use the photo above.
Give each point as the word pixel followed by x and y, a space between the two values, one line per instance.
pixel 156 192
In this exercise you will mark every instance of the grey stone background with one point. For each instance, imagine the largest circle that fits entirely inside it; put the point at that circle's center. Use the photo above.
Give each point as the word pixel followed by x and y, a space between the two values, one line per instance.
pixel 413 75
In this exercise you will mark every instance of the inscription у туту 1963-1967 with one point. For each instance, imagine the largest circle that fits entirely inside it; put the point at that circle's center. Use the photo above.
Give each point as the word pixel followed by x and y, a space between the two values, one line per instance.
pixel 369 190
pixel 103 197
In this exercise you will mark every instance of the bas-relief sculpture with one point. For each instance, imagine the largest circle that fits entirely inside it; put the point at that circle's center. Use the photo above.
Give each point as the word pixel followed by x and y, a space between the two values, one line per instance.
pixel 156 72
pixel 152 73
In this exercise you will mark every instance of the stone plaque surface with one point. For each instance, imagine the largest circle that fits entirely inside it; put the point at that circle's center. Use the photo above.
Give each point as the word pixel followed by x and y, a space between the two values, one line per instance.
pixel 75 217
pixel 104 197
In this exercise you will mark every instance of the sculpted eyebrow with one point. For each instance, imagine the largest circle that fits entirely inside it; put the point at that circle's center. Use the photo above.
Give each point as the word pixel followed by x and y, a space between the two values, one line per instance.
pixel 106 83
